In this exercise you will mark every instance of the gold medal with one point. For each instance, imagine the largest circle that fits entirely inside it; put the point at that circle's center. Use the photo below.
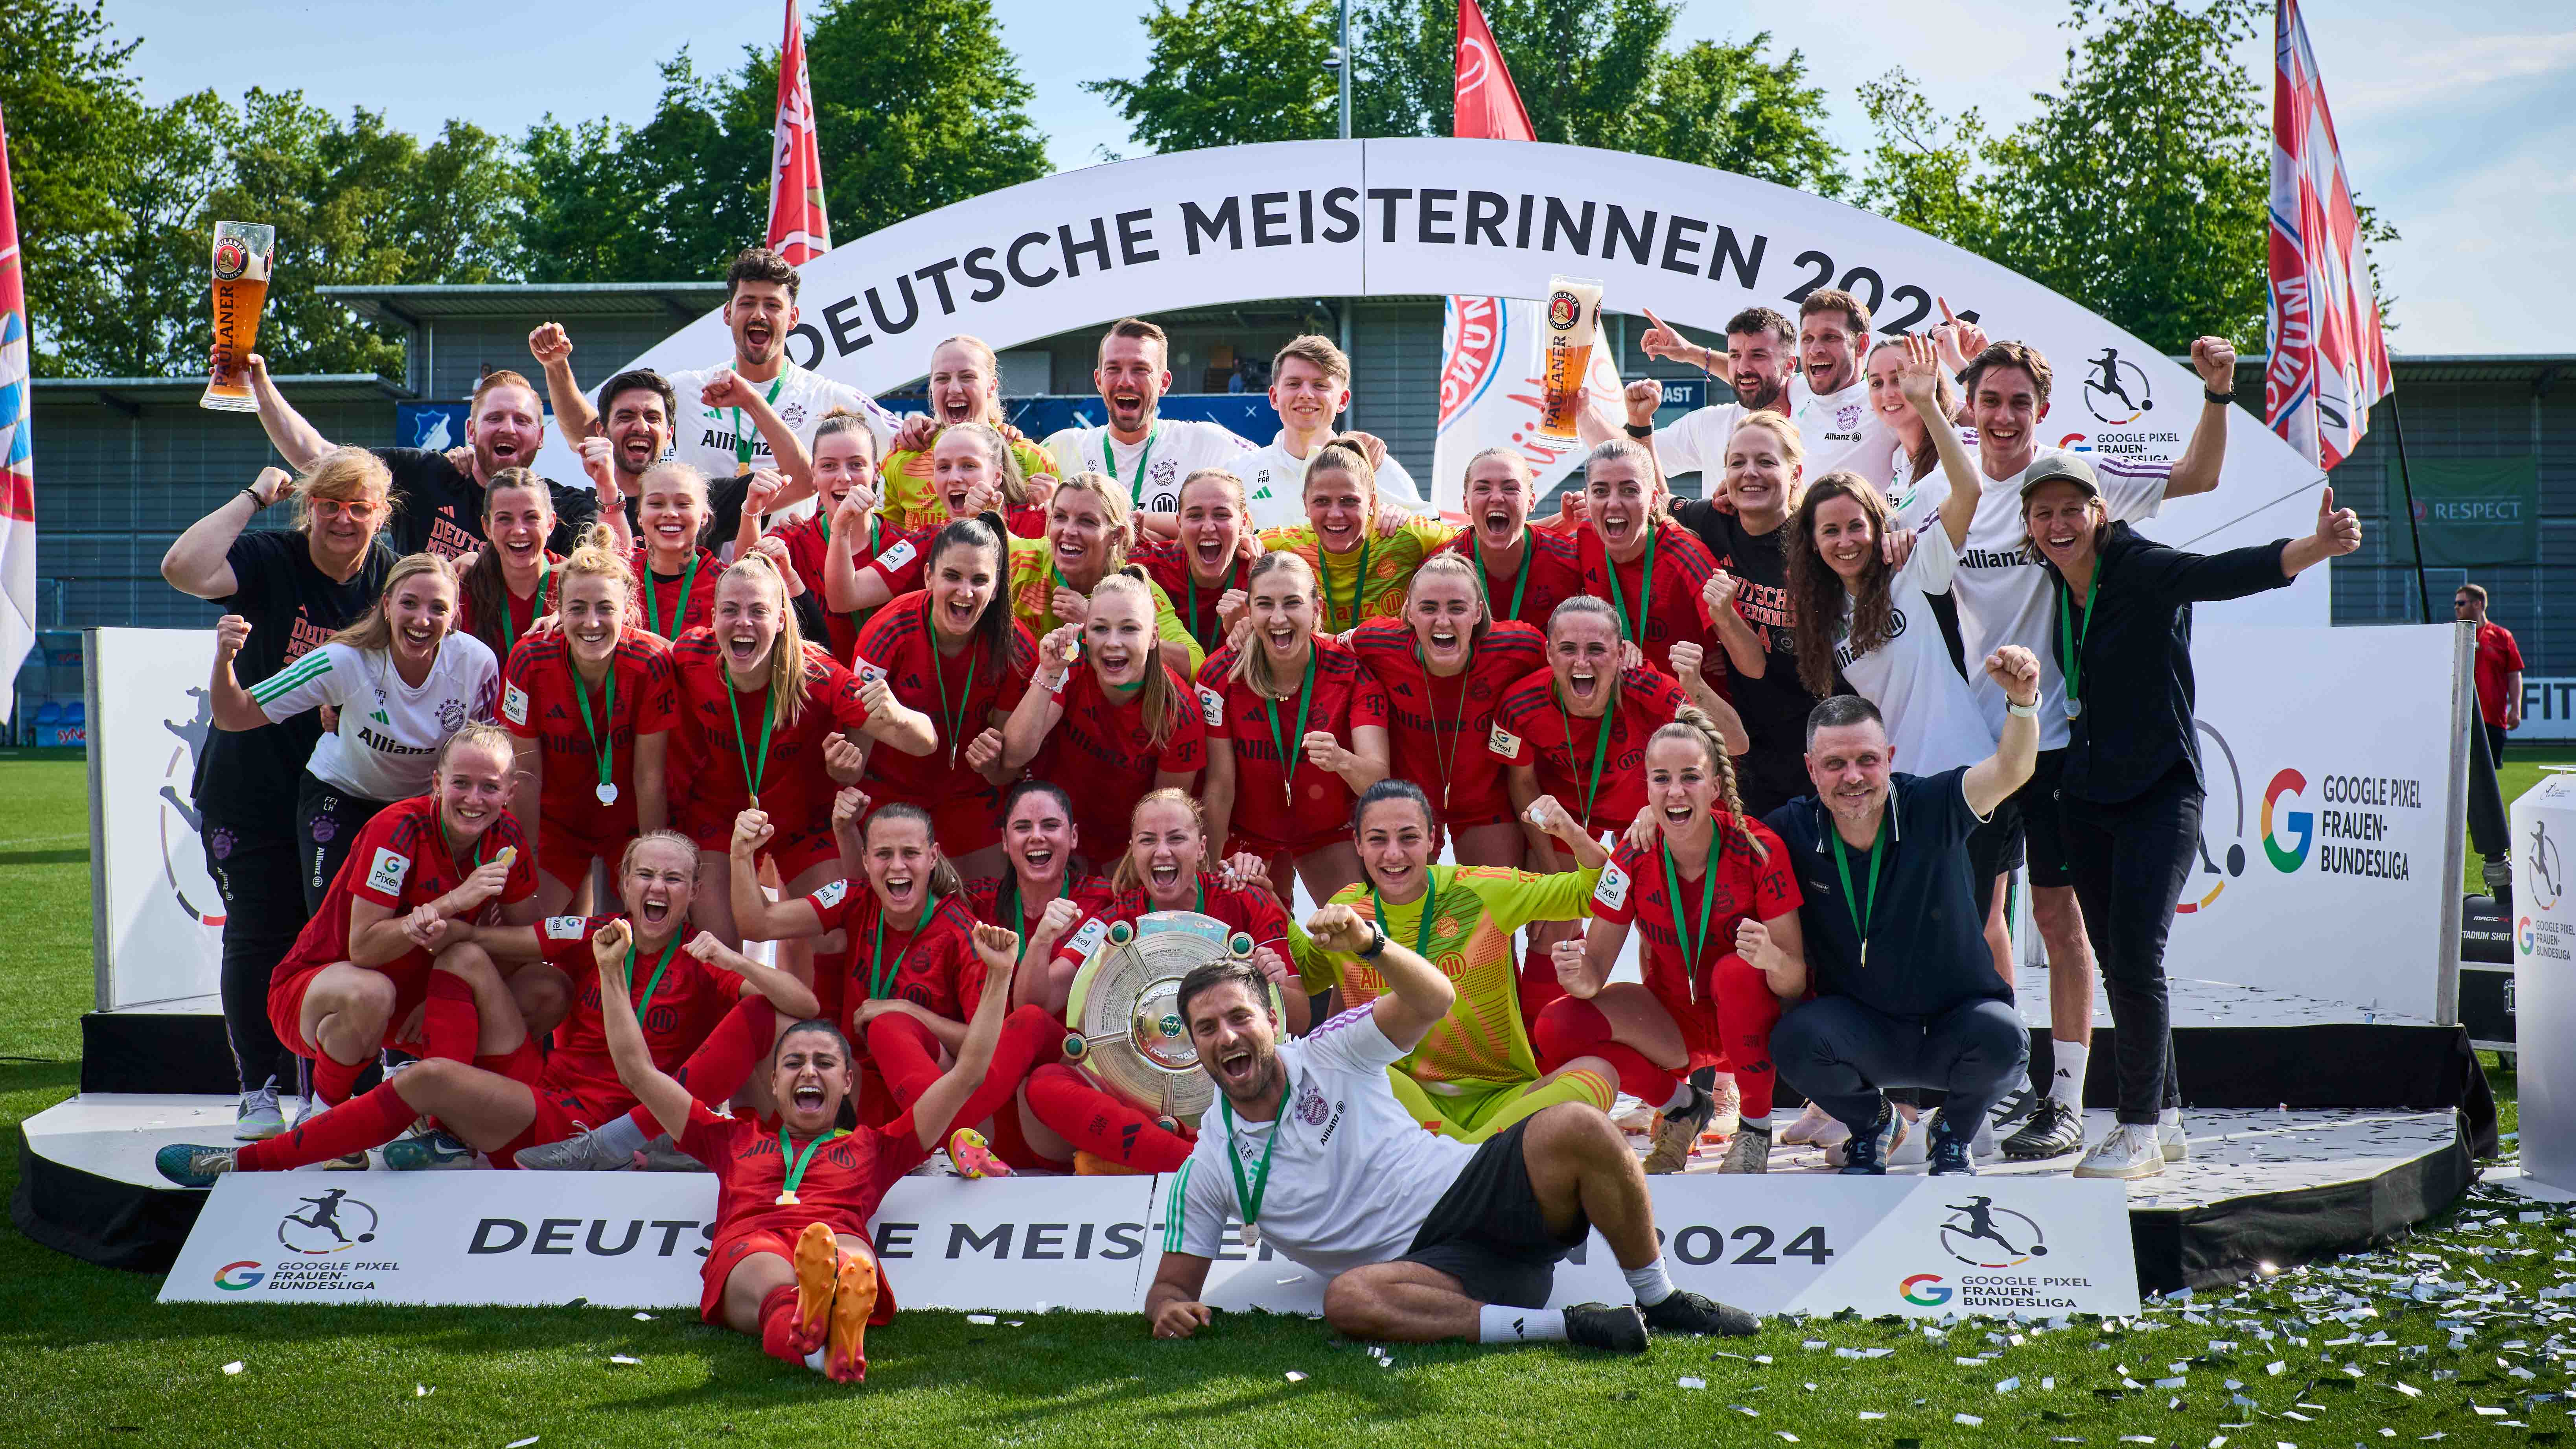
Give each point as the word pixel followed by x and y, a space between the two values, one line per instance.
pixel 787 1199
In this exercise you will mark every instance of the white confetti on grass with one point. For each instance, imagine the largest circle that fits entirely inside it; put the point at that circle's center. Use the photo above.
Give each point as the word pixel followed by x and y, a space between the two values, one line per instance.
pixel 1295 1377
pixel 984 1318
pixel 521 1443
pixel 623 1358
pixel 234 1367
pixel 1691 1383
pixel 1971 1420
pixel 643 1317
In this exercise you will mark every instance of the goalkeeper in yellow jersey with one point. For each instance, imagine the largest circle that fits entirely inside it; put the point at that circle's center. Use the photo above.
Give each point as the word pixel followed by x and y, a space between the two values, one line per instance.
pixel 1475 1073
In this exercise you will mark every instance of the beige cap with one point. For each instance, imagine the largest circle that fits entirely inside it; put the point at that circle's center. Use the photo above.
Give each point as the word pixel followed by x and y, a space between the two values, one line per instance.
pixel 2061 467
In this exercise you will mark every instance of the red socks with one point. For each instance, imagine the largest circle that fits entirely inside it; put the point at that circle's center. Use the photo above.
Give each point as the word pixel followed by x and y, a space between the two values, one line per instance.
pixel 722 1062
pixel 1101 1124
pixel 1746 1012
pixel 1029 1036
pixel 906 1054
pixel 334 1081
pixel 778 1324
pixel 371 1120
pixel 448 1022
pixel 1573 1027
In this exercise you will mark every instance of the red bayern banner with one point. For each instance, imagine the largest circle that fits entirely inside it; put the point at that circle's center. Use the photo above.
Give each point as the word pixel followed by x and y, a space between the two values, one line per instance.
pixel 17 451
pixel 2329 359
pixel 797 226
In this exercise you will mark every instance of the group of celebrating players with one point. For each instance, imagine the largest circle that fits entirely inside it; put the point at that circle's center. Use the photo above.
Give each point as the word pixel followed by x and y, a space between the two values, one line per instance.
pixel 753 808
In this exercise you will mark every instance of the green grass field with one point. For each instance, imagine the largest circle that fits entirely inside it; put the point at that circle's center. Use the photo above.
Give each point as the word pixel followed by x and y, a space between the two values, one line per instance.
pixel 87 1357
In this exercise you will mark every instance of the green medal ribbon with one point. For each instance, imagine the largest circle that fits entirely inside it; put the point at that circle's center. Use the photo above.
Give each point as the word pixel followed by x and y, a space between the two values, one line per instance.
pixel 1431 705
pixel 1862 908
pixel 751 776
pixel 796 1162
pixel 669 951
pixel 669 628
pixel 608 711
pixel 1520 583
pixel 966 699
pixel 1305 702
pixel 1247 1195
pixel 742 448
pixel 881 975
pixel 1109 462
pixel 536 607
pixel 1645 585
pixel 1707 893
pixel 1359 583
pixel 2070 641
pixel 1430 903
pixel 1600 745
pixel 876 538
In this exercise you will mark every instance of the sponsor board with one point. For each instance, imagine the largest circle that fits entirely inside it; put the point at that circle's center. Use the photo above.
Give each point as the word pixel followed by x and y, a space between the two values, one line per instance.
pixel 1912 1245
pixel 2544 977
pixel 157 919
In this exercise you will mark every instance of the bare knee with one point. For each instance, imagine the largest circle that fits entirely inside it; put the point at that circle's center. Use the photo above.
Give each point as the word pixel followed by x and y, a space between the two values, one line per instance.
pixel 469 961
pixel 1356 1308
pixel 544 998
pixel 1573 1130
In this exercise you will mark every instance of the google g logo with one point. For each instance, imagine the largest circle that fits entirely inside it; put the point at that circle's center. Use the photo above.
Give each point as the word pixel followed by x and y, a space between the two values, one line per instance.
pixel 2525 937
pixel 234 1277
pixel 1924 1290
pixel 2301 823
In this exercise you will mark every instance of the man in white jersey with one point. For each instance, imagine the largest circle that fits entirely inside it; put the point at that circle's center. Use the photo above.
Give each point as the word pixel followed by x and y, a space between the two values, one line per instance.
pixel 726 441
pixel 1310 386
pixel 2004 598
pixel 1759 364
pixel 1143 453
pixel 1424 1237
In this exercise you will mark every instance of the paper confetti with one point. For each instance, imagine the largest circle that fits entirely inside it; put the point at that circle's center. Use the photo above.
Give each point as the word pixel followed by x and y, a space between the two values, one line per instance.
pixel 643 1317
pixel 1970 1420
pixel 1295 1377
pixel 1694 1383
pixel 234 1367
pixel 979 1318
pixel 2006 1386
pixel 422 1391
pixel 521 1443
pixel 621 1358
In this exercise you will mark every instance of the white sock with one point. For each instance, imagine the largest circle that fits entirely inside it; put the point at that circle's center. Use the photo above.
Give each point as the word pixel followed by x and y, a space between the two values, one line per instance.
pixel 1499 1323
pixel 1652 1284
pixel 2169 1117
pixel 1681 1098
pixel 1758 1124
pixel 622 1133
pixel 2066 1075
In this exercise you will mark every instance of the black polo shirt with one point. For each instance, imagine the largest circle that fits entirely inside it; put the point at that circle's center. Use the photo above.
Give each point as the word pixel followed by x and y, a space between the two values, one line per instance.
pixel 1927 939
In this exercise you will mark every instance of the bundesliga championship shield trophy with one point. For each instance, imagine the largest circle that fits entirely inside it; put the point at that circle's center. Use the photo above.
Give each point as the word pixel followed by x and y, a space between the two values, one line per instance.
pixel 1565 351
pixel 243 251
pixel 1125 1011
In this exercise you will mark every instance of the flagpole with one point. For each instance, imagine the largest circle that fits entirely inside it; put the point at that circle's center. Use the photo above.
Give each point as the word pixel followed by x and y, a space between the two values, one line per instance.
pixel 2414 534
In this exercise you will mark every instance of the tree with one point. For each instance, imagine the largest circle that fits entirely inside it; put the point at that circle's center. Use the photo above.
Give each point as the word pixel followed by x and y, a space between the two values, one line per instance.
pixel 64 90
pixel 1223 73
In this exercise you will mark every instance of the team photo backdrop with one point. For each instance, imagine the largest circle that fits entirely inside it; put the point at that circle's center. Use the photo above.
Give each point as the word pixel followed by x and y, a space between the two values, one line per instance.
pixel 157 920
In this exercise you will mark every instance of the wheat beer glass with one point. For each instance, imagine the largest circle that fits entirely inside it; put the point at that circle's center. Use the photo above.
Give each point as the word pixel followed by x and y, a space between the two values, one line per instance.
pixel 1565 351
pixel 243 251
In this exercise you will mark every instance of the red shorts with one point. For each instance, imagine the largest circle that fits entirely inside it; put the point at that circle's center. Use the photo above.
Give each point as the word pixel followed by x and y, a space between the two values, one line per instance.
pixel 1471 817
pixel 559 1113
pixel 729 1249
pixel 796 851
pixel 566 854
pixel 286 1002
pixel 1270 849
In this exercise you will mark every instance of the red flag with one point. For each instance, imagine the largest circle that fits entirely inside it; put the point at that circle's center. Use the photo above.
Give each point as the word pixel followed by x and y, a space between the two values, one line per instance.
pixel 17 452
pixel 798 228
pixel 1488 104
pixel 2329 360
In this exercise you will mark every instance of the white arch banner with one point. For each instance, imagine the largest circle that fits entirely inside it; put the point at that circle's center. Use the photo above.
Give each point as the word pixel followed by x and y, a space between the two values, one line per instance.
pixel 1435 217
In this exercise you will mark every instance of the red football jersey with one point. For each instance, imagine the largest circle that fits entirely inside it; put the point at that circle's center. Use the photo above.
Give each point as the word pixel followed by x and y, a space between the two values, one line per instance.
pixel 935 969
pixel 687 1001
pixel 983 901
pixel 1632 891
pixel 1438 729
pixel 1103 753
pixel 844 1179
pixel 1169 568
pixel 1550 562
pixel 1669 605
pixel 672 606
pixel 964 695
pixel 1252 910
pixel 1298 803
pixel 542 699
pixel 519 612
pixel 401 861
pixel 1531 727
pixel 794 788
pixel 808 541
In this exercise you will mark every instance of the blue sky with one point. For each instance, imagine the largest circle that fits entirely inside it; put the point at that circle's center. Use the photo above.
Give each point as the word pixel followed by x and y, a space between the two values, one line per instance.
pixel 2454 119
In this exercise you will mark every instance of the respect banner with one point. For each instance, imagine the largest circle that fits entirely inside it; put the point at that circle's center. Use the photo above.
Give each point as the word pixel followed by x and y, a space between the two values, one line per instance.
pixel 2472 513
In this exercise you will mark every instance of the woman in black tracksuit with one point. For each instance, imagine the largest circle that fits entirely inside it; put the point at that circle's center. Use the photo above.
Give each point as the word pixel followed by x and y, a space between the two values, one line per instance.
pixel 2132 788
pixel 298 587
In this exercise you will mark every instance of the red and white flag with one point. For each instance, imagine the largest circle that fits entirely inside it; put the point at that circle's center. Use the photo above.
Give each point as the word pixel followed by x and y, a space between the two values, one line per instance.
pixel 17 452
pixel 1487 103
pixel 2329 360
pixel 798 228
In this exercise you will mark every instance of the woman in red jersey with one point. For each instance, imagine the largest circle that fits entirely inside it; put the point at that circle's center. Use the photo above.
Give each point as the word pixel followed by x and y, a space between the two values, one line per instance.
pixel 1296 729
pixel 791 1259
pixel 511 584
pixel 951 650
pixel 1110 718
pixel 1445 665
pixel 1524 572
pixel 1206 571
pixel 590 704
pixel 846 483
pixel 1709 870
pixel 511 1097
pixel 1164 869
pixel 1039 842
pixel 675 575
pixel 769 721
pixel 1577 729
pixel 1650 568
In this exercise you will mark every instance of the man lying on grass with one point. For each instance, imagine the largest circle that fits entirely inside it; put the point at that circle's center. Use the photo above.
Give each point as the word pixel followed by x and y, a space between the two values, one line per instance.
pixel 1424 1237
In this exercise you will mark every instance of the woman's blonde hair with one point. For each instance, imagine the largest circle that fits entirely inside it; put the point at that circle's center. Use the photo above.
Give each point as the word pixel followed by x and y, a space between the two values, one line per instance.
pixel 1006 462
pixel 594 556
pixel 944 880
pixel 1692 723
pixel 1343 454
pixel 483 734
pixel 1114 504
pixel 1792 446
pixel 787 663
pixel 374 631
pixel 1252 662
pixel 672 838
pixel 1454 565
pixel 1126 876
pixel 344 475
pixel 1161 699
pixel 1225 480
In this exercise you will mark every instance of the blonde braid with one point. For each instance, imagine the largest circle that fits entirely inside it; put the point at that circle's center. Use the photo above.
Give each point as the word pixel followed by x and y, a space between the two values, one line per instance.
pixel 1692 723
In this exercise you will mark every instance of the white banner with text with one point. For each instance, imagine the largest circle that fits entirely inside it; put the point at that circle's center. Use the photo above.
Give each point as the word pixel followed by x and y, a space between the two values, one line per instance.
pixel 156 916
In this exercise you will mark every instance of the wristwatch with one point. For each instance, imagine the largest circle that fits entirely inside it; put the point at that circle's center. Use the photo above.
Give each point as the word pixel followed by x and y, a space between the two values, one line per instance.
pixel 2218 399
pixel 2026 711
pixel 1640 431
pixel 1377 943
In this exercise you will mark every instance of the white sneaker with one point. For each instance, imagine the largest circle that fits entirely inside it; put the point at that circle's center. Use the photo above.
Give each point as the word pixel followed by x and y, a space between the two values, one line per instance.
pixel 2130 1150
pixel 1913 1138
pixel 1730 1108
pixel 258 1118
pixel 2171 1139
pixel 1803 1131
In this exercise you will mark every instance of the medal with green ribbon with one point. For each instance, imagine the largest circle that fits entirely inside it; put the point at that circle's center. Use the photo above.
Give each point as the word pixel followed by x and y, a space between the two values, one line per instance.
pixel 1861 907
pixel 796 1162
pixel 1707 892
pixel 1520 581
pixel 607 789
pixel 742 448
pixel 1430 904
pixel 668 951
pixel 1359 586
pixel 1109 462
pixel 752 773
pixel 1247 1195
pixel 965 701
pixel 669 628
pixel 880 974
pixel 1600 745
pixel 2070 640
pixel 1645 586
pixel 1305 702
pixel 536 607
pixel 1447 757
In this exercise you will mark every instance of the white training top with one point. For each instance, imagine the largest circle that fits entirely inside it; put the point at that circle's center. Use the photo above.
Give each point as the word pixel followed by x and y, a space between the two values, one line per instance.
pixel 1914 500
pixel 2005 596
pixel 710 439
pixel 1171 452
pixel 1352 1180
pixel 1837 430
pixel 1274 484
pixel 386 747
pixel 1932 715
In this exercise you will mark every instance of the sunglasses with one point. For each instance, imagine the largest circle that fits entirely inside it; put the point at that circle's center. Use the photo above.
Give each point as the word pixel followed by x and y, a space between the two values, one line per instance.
pixel 333 508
